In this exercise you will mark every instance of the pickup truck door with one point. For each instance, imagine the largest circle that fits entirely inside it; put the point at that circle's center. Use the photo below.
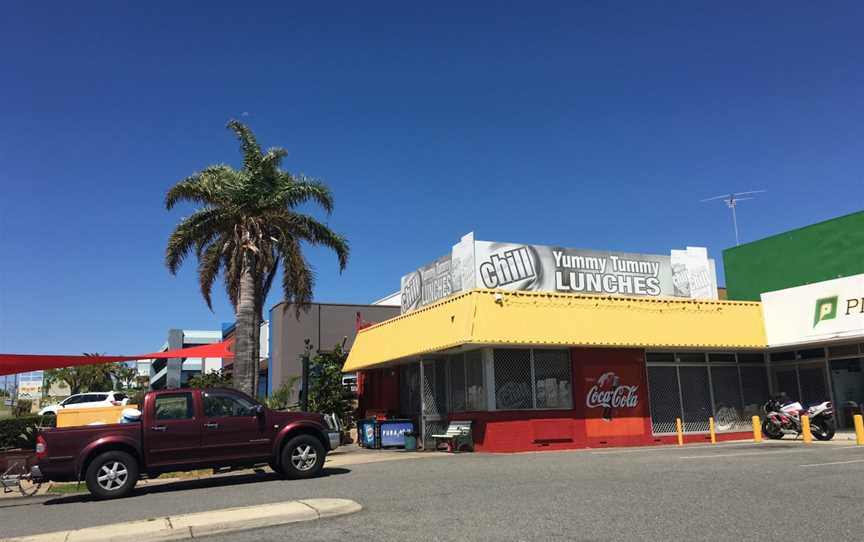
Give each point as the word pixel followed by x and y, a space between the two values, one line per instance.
pixel 172 434
pixel 232 430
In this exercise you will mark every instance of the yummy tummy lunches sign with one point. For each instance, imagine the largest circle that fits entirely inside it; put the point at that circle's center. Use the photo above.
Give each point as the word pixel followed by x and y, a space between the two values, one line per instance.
pixel 486 264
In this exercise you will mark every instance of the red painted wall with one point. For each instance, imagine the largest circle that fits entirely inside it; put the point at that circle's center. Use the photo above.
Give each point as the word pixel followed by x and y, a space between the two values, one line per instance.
pixel 627 423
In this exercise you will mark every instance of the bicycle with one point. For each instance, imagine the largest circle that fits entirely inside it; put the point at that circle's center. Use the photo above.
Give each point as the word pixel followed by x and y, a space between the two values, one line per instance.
pixel 17 477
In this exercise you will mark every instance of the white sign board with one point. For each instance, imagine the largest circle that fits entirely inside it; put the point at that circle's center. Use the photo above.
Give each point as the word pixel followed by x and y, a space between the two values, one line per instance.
pixel 833 309
pixel 511 266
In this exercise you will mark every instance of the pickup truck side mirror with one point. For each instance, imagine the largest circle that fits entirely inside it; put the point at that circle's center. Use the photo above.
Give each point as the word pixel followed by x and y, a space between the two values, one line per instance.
pixel 258 410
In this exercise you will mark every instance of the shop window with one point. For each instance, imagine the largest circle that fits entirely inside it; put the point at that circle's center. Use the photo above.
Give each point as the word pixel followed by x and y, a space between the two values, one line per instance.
pixel 695 398
pixel 786 380
pixel 783 356
pixel 475 390
pixel 665 404
pixel 526 379
pixel 552 381
pixel 728 406
pixel 814 387
pixel 457 383
pixel 812 353
pixel 843 350
pixel 691 357
pixel 409 389
pixel 721 358
pixel 751 357
pixel 512 379
pixel 754 386
pixel 659 357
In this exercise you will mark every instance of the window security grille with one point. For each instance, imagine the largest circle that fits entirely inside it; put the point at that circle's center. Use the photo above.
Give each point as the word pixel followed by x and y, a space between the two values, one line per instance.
pixel 552 384
pixel 513 379
pixel 665 398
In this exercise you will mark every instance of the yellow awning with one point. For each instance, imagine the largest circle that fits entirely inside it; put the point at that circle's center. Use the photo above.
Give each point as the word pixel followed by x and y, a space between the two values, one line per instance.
pixel 494 317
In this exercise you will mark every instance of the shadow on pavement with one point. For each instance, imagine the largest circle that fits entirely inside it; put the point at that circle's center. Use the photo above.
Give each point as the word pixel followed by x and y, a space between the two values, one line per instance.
pixel 200 483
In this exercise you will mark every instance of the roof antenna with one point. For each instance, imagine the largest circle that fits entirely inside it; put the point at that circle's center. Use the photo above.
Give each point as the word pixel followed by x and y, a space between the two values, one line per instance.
pixel 731 201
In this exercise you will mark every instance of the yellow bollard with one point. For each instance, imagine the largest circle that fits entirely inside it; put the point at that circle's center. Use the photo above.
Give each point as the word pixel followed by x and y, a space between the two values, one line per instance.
pixel 757 429
pixel 711 430
pixel 859 429
pixel 805 429
pixel 680 431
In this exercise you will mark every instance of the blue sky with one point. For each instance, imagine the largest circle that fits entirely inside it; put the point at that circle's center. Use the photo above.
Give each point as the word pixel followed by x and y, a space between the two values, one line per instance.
pixel 580 124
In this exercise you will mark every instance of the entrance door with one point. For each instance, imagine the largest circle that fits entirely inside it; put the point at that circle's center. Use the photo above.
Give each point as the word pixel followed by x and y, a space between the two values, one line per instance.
pixel 175 436
pixel 231 429
pixel 786 382
pixel 433 377
pixel 814 385
pixel 847 380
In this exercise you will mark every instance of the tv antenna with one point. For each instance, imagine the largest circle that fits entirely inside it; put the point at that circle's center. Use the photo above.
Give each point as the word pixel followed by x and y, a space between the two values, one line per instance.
pixel 731 201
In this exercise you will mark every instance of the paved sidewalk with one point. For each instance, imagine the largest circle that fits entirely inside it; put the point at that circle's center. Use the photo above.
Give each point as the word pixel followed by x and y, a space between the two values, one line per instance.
pixel 350 454
pixel 196 525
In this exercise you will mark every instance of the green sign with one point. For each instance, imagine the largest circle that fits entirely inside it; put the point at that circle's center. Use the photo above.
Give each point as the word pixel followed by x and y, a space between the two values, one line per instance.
pixel 826 309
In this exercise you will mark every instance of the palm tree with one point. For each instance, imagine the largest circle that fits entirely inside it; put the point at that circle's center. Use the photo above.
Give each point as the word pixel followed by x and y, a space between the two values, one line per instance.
pixel 247 225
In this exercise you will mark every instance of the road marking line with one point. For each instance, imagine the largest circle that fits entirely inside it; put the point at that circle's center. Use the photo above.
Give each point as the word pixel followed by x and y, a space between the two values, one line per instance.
pixel 668 447
pixel 766 451
pixel 833 463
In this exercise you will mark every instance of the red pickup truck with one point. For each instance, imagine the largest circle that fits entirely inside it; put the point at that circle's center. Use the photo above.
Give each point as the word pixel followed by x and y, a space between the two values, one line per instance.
pixel 184 430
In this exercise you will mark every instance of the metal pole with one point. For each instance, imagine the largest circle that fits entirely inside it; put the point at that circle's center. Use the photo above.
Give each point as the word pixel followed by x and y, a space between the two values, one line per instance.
pixel 304 390
pixel 734 220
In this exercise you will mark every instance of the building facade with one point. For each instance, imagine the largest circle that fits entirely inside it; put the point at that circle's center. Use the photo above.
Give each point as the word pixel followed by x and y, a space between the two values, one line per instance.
pixel 176 372
pixel 550 348
pixel 325 325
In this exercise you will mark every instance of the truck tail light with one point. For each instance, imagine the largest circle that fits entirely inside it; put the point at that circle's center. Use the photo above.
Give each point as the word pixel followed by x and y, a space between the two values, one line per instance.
pixel 41 448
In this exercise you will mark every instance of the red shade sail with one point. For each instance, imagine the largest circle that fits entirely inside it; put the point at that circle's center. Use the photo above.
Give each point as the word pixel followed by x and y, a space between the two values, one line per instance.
pixel 22 363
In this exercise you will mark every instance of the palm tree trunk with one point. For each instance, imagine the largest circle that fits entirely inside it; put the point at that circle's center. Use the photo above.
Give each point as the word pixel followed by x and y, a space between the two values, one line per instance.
pixel 245 335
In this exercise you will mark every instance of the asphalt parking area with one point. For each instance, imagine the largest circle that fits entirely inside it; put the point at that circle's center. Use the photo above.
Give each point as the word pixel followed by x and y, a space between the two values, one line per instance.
pixel 695 492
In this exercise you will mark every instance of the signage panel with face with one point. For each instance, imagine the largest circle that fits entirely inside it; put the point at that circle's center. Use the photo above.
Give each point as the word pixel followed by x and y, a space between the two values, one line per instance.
pixel 832 309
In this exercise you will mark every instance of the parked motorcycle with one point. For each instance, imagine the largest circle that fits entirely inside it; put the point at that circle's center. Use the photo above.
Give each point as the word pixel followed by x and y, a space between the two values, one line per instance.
pixel 783 416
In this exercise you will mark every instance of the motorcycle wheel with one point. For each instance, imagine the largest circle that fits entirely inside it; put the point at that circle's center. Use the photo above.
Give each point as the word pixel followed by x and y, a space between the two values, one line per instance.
pixel 771 431
pixel 823 429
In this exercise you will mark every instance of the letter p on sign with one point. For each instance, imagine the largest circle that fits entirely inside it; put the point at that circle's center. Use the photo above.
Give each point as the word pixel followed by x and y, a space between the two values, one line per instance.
pixel 826 309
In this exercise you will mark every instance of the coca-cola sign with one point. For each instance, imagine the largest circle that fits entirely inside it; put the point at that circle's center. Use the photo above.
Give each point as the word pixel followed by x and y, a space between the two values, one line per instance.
pixel 609 393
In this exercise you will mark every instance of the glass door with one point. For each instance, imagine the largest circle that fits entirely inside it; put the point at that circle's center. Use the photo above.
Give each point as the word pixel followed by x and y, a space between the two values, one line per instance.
pixel 847 379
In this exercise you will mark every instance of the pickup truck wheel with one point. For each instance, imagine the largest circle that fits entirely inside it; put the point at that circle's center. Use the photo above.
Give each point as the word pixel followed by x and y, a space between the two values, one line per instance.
pixel 302 457
pixel 112 475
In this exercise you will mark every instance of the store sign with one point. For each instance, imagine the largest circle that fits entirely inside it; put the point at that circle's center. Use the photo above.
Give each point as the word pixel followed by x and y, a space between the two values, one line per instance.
pixel 393 433
pixel 831 309
pixel 608 393
pixel 509 266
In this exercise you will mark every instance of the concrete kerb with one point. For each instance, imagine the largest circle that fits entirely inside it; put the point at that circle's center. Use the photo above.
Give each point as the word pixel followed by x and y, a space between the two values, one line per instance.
pixel 198 524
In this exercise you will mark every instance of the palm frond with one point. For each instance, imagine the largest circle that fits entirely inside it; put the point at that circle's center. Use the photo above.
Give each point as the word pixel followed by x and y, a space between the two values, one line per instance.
pixel 208 267
pixel 248 145
pixel 309 229
pixel 190 232
pixel 294 190
pixel 298 278
pixel 210 186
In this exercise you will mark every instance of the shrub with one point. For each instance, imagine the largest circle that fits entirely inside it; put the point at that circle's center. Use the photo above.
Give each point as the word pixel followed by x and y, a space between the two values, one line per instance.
pixel 22 408
pixel 281 398
pixel 213 379
pixel 21 432
pixel 327 395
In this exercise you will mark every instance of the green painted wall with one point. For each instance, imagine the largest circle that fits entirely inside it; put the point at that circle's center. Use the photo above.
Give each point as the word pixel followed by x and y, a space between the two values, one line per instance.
pixel 827 250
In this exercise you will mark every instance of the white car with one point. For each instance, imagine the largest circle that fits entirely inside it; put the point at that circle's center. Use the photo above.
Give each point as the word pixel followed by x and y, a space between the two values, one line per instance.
pixel 87 400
